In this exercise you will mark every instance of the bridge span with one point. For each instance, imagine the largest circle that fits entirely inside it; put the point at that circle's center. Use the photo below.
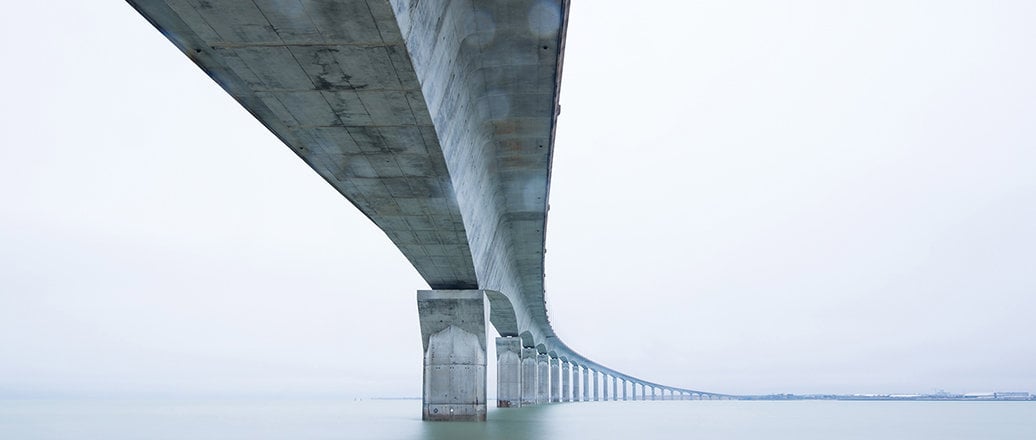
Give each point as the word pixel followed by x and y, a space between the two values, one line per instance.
pixel 436 119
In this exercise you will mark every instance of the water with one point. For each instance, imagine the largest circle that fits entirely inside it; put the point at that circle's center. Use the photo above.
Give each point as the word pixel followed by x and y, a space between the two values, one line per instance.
pixel 379 419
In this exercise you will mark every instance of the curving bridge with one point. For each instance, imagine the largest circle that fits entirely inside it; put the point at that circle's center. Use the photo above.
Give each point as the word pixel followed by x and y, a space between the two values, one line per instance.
pixel 436 119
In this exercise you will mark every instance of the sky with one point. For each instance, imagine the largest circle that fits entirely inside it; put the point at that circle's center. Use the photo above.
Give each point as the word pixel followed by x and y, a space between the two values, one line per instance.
pixel 747 197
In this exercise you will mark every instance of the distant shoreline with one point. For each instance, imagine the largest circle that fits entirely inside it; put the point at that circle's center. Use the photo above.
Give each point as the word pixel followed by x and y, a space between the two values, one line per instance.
pixel 995 397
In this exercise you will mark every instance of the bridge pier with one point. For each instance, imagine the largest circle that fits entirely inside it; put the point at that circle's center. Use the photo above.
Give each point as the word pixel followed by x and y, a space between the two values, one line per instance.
pixel 624 389
pixel 586 384
pixel 597 395
pixel 453 335
pixel 529 368
pixel 604 387
pixel 543 373
pixel 576 395
pixel 615 388
pixel 555 380
pixel 566 381
pixel 508 372
pixel 652 393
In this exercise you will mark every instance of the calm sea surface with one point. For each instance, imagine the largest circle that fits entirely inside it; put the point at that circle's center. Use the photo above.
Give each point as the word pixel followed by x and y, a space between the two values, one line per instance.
pixel 381 419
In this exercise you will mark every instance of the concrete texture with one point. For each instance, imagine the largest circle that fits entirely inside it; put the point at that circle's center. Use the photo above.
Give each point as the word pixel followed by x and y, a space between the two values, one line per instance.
pixel 453 333
pixel 566 381
pixel 555 380
pixel 577 395
pixel 604 387
pixel 508 372
pixel 543 372
pixel 597 394
pixel 586 384
pixel 530 375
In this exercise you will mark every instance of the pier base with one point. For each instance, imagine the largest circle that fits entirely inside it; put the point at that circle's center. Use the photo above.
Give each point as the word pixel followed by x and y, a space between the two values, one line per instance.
pixel 453 333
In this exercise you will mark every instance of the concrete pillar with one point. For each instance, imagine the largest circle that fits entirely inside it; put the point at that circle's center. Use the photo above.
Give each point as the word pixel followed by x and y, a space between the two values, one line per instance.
pixel 586 384
pixel 576 381
pixel 615 388
pixel 624 389
pixel 597 395
pixel 566 381
pixel 508 372
pixel 652 393
pixel 543 373
pixel 453 334
pixel 604 386
pixel 555 380
pixel 529 376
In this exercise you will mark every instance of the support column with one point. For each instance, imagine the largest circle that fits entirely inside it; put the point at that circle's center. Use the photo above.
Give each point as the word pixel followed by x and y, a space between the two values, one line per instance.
pixel 633 390
pixel 508 372
pixel 652 393
pixel 624 389
pixel 543 372
pixel 615 388
pixel 586 384
pixel 576 391
pixel 453 333
pixel 604 387
pixel 555 380
pixel 597 395
pixel 566 381
pixel 529 382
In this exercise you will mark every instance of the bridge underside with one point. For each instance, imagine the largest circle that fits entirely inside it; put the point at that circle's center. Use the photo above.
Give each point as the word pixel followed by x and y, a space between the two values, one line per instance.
pixel 435 118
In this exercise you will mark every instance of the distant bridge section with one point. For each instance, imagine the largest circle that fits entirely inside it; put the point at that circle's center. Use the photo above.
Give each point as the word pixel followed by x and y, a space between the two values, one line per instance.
pixel 436 119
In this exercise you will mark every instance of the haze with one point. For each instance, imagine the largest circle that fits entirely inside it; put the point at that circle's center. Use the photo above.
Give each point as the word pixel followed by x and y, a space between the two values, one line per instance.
pixel 747 197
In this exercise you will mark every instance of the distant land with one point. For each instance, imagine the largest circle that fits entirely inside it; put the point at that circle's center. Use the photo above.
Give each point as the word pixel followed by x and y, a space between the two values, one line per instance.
pixel 942 395
pixel 998 396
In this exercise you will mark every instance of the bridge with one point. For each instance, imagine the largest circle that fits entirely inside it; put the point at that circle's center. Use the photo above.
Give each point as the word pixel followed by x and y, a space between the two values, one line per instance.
pixel 436 119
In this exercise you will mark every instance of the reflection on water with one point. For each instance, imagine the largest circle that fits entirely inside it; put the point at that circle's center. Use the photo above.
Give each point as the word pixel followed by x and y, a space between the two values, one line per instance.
pixel 381 419
pixel 509 424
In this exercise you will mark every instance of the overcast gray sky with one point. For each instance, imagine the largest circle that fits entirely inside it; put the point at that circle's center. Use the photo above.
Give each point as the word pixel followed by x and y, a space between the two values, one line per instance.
pixel 747 197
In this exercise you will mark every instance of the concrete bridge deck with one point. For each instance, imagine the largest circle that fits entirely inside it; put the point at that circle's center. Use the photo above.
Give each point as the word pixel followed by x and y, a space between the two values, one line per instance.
pixel 435 118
